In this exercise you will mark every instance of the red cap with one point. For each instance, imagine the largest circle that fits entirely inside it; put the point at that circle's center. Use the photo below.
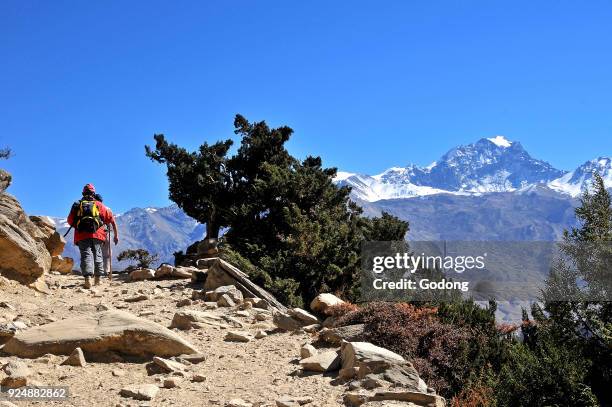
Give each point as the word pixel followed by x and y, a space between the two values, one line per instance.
pixel 89 189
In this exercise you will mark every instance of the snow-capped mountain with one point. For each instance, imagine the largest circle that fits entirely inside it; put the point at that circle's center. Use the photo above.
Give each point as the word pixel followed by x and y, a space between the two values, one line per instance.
pixel 574 183
pixel 490 165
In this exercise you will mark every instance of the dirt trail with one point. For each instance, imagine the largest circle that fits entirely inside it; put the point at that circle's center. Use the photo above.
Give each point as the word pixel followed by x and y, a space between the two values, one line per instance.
pixel 259 371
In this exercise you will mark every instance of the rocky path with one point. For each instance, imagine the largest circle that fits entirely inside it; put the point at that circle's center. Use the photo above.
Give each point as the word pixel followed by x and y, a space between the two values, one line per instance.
pixel 259 372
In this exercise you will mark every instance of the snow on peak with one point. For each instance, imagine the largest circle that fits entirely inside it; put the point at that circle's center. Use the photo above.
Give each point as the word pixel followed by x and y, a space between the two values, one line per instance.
pixel 151 210
pixel 500 141
pixel 342 175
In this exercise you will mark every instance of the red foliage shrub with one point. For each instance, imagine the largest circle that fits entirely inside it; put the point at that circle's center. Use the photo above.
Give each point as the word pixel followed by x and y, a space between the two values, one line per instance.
pixel 475 396
pixel 340 310
pixel 436 349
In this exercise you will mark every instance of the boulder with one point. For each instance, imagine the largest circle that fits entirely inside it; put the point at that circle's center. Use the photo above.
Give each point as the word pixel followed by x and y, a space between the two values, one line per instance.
pixel 76 358
pixel 142 274
pixel 321 362
pixel 168 271
pixel 23 257
pixel 368 357
pixel 323 301
pixel 106 331
pixel 187 319
pixel 54 242
pixel 62 264
pixel 140 391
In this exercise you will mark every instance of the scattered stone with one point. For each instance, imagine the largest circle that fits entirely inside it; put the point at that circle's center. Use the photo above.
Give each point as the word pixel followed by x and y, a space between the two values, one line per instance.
pixel 188 319
pixel 307 351
pixel 238 336
pixel 198 378
pixel 336 336
pixel 321 362
pixel 225 301
pixel 289 401
pixel 183 303
pixel 286 322
pixel 242 313
pixel 238 403
pixel 348 372
pixel 17 374
pixel 171 382
pixel 118 373
pixel 303 316
pixel 260 334
pixel 140 391
pixel 195 358
pixel 76 358
pixel 168 365
pixel 312 328
pixel 229 290
pixel 137 298
pixel 262 317
pixel 7 404
pixel 98 333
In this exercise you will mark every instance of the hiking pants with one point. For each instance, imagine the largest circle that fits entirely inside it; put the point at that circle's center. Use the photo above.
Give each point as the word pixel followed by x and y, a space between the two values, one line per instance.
pixel 91 257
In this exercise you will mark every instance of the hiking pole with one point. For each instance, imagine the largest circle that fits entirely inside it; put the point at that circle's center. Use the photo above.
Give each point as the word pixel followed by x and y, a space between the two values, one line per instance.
pixel 110 255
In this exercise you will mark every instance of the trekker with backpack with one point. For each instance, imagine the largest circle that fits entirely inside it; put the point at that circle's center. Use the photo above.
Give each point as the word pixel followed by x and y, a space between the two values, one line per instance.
pixel 88 217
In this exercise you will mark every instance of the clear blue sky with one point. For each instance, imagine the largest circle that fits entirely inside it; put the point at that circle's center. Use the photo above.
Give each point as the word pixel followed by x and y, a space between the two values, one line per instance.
pixel 367 85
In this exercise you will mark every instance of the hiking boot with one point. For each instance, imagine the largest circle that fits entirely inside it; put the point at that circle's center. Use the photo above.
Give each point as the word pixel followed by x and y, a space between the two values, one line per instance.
pixel 87 283
pixel 96 280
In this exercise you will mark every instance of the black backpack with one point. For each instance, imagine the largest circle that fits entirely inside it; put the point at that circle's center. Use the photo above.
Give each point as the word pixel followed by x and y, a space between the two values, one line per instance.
pixel 87 216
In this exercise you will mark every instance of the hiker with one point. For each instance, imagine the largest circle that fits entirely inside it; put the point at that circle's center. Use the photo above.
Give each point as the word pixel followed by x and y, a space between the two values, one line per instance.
pixel 88 217
pixel 106 249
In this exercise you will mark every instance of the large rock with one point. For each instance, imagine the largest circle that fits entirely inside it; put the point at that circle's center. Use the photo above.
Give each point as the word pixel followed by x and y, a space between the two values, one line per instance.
pixel 323 301
pixel 113 330
pixel 321 362
pixel 368 357
pixel 421 399
pixel 62 264
pixel 169 271
pixel 22 256
pixel 305 317
pixel 54 242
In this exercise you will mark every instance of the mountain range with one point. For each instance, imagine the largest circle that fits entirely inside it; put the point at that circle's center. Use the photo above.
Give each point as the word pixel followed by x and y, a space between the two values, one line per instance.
pixel 492 189
pixel 490 165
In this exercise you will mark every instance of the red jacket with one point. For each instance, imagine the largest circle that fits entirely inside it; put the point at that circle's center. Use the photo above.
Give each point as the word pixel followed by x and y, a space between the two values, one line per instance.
pixel 105 214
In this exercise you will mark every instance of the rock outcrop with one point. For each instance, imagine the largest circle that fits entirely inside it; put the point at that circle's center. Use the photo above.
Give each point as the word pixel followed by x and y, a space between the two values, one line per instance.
pixel 116 331
pixel 23 254
pixel 5 180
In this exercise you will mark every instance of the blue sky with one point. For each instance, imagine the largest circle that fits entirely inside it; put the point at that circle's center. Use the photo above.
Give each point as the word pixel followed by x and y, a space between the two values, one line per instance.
pixel 366 85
